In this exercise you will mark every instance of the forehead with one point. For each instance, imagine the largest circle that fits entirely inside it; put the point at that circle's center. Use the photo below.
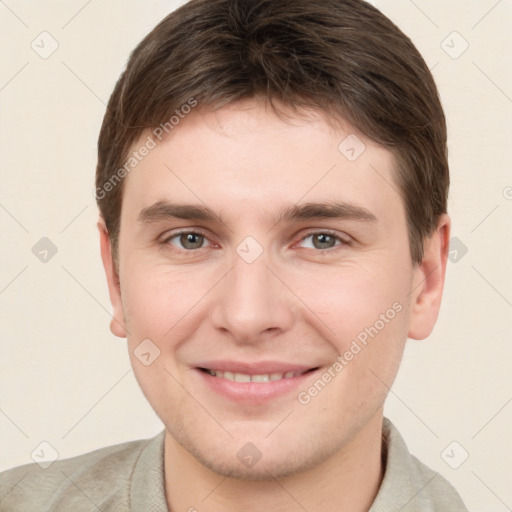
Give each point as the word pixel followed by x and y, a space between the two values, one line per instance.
pixel 247 162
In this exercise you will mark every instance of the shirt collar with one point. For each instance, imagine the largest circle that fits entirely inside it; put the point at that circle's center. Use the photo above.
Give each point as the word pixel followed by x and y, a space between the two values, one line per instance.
pixel 407 484
pixel 147 487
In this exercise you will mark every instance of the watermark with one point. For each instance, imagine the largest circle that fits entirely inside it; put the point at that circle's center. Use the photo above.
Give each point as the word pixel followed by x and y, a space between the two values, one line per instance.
pixel 507 193
pixel 44 250
pixel 249 455
pixel 249 249
pixel 356 346
pixel 352 147
pixel 455 455
pixel 44 454
pixel 457 249
pixel 45 45
pixel 454 45
pixel 146 352
pixel 143 150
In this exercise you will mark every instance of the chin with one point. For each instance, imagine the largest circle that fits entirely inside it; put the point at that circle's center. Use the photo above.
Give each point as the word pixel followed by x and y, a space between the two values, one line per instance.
pixel 271 459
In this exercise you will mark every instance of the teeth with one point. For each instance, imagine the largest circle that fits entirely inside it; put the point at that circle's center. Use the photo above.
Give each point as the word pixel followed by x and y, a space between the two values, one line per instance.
pixel 260 378
pixel 243 377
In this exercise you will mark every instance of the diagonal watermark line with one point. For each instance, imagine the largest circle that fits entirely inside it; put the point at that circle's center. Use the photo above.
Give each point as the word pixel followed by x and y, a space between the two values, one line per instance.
pixel 424 13
pixel 82 418
pixel 489 489
pixel 71 71
pixel 485 218
pixel 75 217
pixel 196 303
pixel 308 191
pixel 13 218
pixel 280 423
pixel 286 491
pixel 305 305
pixel 391 391
pixel 76 14
pixel 10 419
pixel 13 279
pixel 214 489
pixel 13 76
pixel 198 402
pixel 423 280
pixel 419 492
pixel 13 13
pixel 13 487
pixel 491 80
pixel 218 218
pixel 388 182
pixel 501 409
pixel 486 14
pixel 81 490
pixel 492 286
pixel 95 299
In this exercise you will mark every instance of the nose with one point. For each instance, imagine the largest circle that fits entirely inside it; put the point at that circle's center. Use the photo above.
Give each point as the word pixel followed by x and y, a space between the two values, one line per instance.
pixel 252 303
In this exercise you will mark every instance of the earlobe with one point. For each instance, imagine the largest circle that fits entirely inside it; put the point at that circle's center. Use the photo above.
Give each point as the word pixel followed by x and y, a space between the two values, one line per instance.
pixel 117 324
pixel 428 282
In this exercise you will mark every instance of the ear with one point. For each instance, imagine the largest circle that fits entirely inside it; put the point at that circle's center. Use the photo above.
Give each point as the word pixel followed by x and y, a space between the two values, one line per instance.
pixel 428 281
pixel 117 324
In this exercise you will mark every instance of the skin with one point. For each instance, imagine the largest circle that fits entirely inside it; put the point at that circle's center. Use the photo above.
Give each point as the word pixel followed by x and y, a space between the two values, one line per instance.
pixel 296 303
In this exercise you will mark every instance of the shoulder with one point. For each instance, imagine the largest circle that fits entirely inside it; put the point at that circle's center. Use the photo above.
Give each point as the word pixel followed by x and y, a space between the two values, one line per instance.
pixel 408 484
pixel 96 478
pixel 434 492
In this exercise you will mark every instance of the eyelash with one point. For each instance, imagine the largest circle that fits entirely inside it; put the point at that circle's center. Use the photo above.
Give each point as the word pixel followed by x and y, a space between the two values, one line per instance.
pixel 167 240
pixel 343 242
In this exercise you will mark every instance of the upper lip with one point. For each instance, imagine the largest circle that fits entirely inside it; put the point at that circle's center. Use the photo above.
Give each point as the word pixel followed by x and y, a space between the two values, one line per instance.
pixel 255 368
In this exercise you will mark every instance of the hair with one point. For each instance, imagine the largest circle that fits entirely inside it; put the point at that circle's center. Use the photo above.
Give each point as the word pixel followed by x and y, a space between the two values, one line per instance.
pixel 342 58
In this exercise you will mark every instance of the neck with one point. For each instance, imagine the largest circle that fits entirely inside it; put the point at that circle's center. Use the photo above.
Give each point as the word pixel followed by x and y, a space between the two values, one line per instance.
pixel 347 481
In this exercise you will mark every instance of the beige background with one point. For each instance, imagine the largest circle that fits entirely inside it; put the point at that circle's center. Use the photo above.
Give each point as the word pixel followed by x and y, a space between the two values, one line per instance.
pixel 65 379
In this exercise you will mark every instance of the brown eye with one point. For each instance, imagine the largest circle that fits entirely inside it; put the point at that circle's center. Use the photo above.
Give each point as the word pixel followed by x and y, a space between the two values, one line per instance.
pixel 192 240
pixel 324 241
pixel 321 240
pixel 188 240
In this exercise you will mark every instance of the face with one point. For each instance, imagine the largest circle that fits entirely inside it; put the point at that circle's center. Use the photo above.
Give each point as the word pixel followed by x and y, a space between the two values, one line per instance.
pixel 271 278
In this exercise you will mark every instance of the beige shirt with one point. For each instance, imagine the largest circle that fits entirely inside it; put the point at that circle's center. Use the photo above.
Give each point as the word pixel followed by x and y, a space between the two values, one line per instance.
pixel 130 477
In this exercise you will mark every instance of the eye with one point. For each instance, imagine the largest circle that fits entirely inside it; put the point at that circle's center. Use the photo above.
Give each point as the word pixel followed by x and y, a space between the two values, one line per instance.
pixel 323 240
pixel 188 240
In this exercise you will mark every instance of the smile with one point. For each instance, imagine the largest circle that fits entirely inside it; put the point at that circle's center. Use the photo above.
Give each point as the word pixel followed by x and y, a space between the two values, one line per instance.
pixel 261 378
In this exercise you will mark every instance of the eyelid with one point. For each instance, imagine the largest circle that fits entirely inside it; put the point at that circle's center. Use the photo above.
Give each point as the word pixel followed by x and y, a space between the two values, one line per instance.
pixel 173 234
pixel 330 232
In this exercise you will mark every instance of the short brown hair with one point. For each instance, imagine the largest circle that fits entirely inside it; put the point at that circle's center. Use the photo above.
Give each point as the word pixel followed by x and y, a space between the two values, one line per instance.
pixel 340 57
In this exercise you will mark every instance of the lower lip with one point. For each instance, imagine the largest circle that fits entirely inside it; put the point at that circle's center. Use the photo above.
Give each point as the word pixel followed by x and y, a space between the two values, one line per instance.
pixel 255 392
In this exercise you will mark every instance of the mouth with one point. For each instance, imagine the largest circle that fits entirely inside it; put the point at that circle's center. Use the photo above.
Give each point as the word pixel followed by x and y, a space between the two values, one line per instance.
pixel 259 378
pixel 254 384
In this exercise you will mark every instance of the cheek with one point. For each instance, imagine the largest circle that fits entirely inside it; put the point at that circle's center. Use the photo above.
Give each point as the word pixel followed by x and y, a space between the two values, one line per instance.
pixel 351 298
pixel 157 300
pixel 160 305
pixel 367 317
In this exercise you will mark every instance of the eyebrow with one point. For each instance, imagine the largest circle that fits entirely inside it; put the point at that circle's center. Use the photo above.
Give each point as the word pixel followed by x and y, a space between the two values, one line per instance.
pixel 164 210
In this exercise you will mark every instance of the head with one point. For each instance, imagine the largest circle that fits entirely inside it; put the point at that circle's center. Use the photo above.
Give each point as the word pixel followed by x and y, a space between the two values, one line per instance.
pixel 272 182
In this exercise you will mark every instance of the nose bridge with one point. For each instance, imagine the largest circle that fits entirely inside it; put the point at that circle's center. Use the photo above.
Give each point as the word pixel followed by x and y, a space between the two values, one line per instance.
pixel 250 301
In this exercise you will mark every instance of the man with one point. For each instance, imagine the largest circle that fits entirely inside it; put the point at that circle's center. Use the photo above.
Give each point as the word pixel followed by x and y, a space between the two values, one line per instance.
pixel 272 182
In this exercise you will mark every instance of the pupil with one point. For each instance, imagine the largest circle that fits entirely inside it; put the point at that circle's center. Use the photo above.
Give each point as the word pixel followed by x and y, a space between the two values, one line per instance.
pixel 324 241
pixel 191 240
